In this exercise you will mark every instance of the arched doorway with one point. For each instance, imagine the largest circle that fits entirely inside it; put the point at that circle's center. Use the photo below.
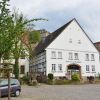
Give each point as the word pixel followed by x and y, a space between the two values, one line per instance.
pixel 72 69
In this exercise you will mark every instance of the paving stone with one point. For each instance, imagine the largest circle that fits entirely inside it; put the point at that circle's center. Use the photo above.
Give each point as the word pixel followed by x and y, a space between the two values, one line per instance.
pixel 59 92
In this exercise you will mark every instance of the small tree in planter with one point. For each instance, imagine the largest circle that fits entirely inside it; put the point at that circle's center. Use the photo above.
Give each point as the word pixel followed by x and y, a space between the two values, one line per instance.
pixel 50 78
pixel 75 77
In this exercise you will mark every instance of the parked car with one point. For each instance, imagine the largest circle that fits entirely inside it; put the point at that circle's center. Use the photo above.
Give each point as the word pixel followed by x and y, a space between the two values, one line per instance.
pixel 15 87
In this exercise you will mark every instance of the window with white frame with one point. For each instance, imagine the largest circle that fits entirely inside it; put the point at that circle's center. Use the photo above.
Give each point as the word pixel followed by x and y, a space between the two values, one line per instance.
pixel 70 56
pixel 59 55
pixel 53 55
pixel 87 68
pixel 76 56
pixel 87 57
pixel 53 67
pixel 60 67
pixel 92 57
pixel 93 68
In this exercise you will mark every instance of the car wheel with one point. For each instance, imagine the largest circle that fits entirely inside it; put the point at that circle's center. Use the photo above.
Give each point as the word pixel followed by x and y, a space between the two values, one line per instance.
pixel 17 93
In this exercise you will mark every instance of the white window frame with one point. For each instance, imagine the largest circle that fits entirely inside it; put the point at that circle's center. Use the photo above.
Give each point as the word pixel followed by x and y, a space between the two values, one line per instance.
pixel 93 68
pixel 70 56
pixel 92 57
pixel 53 68
pixel 87 57
pixel 76 56
pixel 59 55
pixel 87 68
pixel 60 67
pixel 53 55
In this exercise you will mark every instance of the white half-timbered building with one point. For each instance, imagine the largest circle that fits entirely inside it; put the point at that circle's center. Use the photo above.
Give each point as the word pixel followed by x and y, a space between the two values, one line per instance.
pixel 66 51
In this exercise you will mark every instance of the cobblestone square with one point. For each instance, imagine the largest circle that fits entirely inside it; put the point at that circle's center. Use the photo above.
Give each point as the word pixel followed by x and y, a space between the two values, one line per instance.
pixel 59 92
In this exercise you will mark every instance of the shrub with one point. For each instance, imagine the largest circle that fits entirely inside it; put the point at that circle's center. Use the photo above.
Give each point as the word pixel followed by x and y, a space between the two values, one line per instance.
pixel 75 77
pixel 25 79
pixel 49 81
pixel 61 82
pixel 90 79
pixel 41 79
pixel 99 76
pixel 50 76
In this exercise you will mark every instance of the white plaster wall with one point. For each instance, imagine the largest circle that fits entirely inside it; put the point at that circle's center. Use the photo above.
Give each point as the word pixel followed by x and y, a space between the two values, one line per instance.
pixel 61 43
pixel 65 62
pixel 24 62
pixel 74 32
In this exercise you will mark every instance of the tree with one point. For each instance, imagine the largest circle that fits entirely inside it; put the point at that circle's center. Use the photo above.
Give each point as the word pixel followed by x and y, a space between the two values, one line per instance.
pixel 20 31
pixel 12 29
pixel 33 38
pixel 6 26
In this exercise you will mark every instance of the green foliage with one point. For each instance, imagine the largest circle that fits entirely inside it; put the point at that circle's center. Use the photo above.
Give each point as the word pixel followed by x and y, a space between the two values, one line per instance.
pixel 50 76
pixel 25 80
pixel 90 79
pixel 34 37
pixel 12 28
pixel 75 77
pixel 16 69
pixel 6 29
pixel 49 81
pixel 62 82
pixel 20 28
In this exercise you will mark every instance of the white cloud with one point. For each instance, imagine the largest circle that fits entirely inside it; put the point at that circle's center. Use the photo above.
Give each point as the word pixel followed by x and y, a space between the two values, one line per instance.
pixel 57 5
pixel 42 6
pixel 90 16
pixel 87 12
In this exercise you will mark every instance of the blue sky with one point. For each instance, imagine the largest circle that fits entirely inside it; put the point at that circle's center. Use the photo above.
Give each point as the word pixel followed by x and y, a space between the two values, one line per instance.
pixel 59 12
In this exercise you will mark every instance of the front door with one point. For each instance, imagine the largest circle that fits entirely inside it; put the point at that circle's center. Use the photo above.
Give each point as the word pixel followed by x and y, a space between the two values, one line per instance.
pixel 73 69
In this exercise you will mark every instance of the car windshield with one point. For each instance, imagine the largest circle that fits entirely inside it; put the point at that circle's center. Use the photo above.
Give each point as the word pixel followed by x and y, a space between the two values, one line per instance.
pixel 12 81
pixel 15 81
pixel 3 82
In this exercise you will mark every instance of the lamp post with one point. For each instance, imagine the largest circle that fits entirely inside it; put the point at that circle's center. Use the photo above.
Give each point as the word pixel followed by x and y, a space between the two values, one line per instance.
pixel 6 70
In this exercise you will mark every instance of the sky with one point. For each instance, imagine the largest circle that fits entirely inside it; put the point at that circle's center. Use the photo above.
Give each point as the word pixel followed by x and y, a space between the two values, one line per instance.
pixel 59 12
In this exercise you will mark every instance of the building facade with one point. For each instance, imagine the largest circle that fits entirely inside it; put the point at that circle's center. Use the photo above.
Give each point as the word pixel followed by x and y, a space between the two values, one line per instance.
pixel 66 51
pixel 43 33
pixel 97 45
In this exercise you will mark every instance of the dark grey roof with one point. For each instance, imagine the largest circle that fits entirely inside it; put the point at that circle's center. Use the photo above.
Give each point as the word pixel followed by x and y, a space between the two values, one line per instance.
pixel 43 44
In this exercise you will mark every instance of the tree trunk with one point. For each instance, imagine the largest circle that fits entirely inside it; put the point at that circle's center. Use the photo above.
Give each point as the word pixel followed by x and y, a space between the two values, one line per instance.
pixel 0 58
pixel 16 68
